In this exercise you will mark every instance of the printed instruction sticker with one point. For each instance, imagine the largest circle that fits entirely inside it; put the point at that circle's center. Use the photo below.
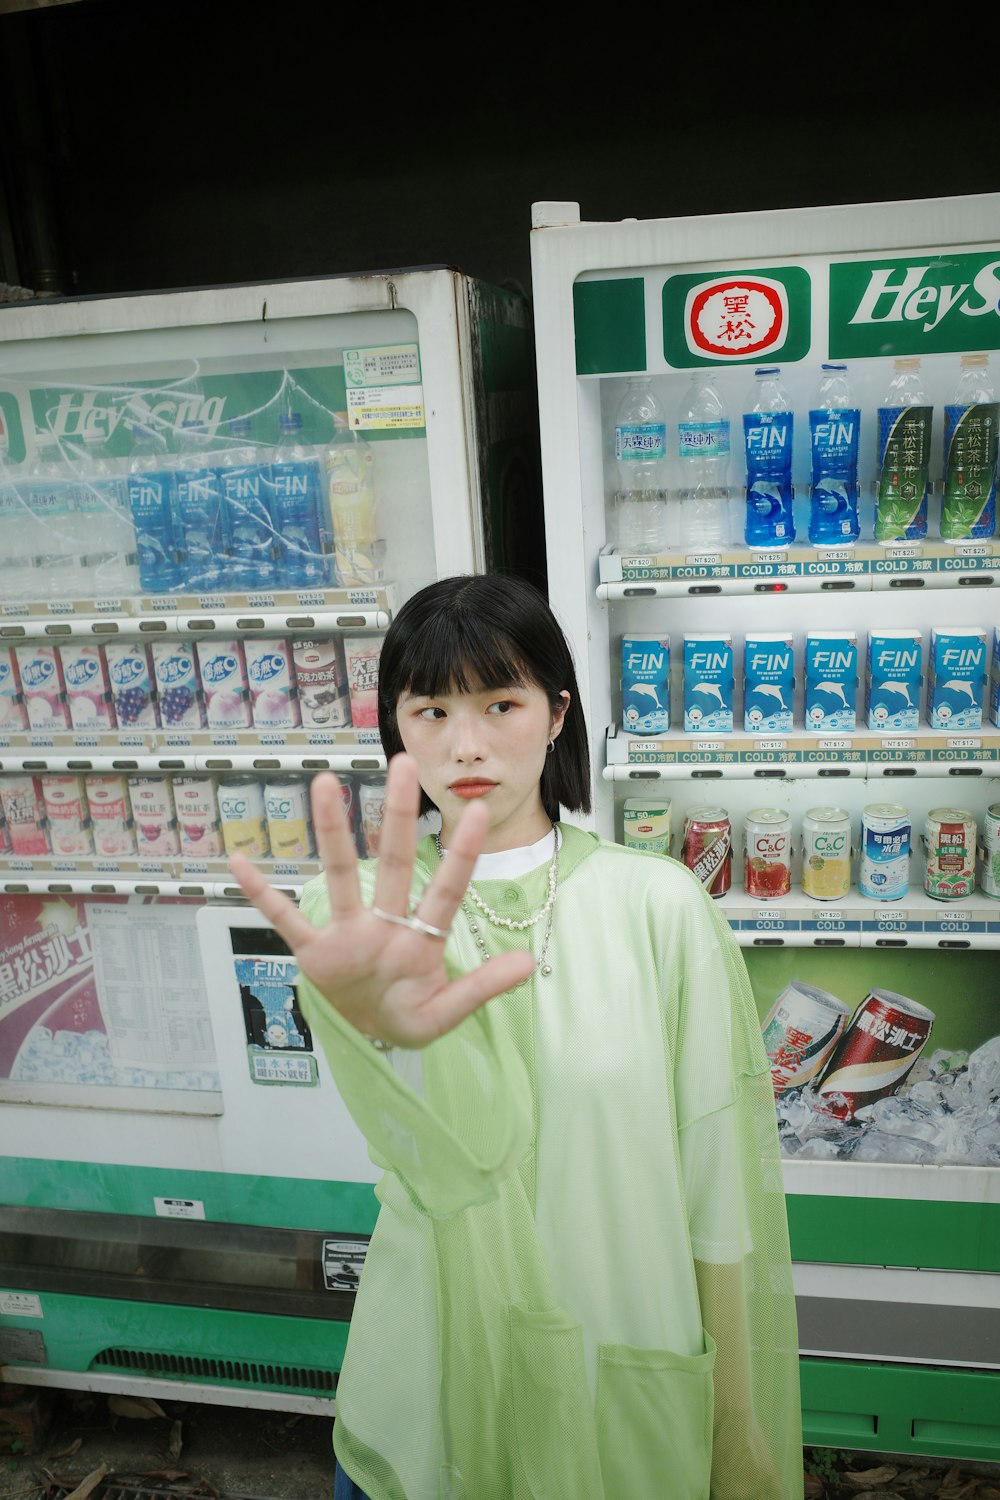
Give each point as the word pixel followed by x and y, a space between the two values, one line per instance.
pixel 20 1305
pixel 179 1208
pixel 343 1261
pixel 277 1068
pixel 390 364
pixel 384 407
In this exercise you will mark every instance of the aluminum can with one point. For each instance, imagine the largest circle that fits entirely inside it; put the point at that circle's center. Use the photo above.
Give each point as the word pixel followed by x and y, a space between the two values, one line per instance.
pixel 66 809
pixel 647 824
pixel 197 803
pixel 349 798
pixel 110 815
pixel 289 827
pixel 5 844
pixel 243 817
pixel 767 853
pixel 800 1031
pixel 950 845
pixel 886 1036
pixel 884 870
pixel 371 805
pixel 990 852
pixel 707 848
pixel 24 809
pixel 826 853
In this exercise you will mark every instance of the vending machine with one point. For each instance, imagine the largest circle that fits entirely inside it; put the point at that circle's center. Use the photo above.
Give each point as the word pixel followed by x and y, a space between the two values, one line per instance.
pixel 211 504
pixel 769 447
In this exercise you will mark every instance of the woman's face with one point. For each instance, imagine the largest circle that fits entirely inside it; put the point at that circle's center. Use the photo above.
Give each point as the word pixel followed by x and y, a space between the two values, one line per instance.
pixel 487 746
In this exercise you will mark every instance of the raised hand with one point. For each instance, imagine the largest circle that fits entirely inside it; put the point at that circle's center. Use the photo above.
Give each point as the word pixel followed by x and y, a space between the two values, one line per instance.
pixel 387 978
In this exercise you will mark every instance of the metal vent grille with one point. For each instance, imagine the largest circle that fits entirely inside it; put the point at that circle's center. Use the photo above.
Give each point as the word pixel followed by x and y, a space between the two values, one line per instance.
pixel 232 1371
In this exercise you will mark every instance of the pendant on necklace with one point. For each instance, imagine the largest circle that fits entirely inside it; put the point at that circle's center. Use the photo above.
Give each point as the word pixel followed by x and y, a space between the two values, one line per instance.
pixel 546 970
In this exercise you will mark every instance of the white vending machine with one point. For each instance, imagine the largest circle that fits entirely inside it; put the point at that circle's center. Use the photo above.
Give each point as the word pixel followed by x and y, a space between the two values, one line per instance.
pixel 211 505
pixel 769 447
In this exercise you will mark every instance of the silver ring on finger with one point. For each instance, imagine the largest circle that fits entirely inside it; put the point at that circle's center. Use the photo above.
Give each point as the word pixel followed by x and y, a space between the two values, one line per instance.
pixel 416 924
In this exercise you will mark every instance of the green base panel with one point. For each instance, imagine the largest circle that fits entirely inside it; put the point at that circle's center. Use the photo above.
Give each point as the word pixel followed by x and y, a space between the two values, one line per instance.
pixel 890 1408
pixel 227 1197
pixel 895 1232
pixel 163 1342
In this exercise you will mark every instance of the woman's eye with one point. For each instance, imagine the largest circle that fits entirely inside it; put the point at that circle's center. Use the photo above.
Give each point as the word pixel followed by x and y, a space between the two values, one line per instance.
pixel 503 707
pixel 432 714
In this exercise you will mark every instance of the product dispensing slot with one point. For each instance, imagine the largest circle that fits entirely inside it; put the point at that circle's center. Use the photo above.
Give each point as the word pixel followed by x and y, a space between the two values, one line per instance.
pixel 828 943
pixel 644 776
pixel 263 763
pixel 300 622
pixel 907 583
pixel 899 770
pixel 704 775
pixel 171 765
pixel 639 593
pixel 104 627
pixel 152 627
pixel 200 625
pixel 768 942
pixel 35 765
pixel 104 889
pixel 59 888
pixel 837 585
pixel 147 890
pixel 12 630
pixel 79 765
pixel 976 581
pixel 770 771
pixel 191 890
pixel 891 943
pixel 834 771
pixel 251 623
pixel 954 943
pixel 965 770
pixel 218 764
pixel 365 765
pixel 313 763
pixel 59 628
pixel 15 887
pixel 125 765
pixel 351 622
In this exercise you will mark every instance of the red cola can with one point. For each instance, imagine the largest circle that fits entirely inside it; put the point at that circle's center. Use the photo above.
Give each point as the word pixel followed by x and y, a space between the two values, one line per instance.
pixel 886 1035
pixel 707 848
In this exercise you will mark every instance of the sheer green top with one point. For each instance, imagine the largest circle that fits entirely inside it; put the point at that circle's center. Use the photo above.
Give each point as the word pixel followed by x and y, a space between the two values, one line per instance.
pixel 579 1284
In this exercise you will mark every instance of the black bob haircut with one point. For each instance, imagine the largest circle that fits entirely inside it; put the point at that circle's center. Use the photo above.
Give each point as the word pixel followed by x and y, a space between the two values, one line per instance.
pixel 483 631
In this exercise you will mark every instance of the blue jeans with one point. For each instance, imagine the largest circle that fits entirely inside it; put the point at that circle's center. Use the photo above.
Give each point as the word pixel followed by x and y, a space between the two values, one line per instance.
pixel 345 1488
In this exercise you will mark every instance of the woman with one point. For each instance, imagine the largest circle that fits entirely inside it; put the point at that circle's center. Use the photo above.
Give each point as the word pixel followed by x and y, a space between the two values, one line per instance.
pixel 579 1286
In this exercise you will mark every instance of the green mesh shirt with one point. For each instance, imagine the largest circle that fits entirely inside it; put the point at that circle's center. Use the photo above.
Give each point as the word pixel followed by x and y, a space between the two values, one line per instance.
pixel 579 1284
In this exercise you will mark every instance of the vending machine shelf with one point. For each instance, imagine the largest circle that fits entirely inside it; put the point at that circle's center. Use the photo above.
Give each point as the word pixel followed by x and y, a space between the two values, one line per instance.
pixel 226 620
pixel 917 921
pixel 38 613
pixel 798 570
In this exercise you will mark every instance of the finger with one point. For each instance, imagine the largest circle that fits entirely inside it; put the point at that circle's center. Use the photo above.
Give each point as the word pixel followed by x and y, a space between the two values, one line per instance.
pixel 283 915
pixel 398 838
pixel 444 895
pixel 335 846
pixel 459 999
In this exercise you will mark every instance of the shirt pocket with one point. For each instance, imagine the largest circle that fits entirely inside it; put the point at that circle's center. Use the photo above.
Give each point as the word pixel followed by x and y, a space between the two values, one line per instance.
pixel 654 1421
pixel 553 1416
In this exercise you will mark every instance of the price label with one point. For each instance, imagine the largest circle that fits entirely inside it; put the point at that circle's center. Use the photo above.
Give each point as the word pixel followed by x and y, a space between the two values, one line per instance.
pixel 768 557
pixel 973 549
pixel 965 744
pixel 770 744
pixel 707 746
pixel 704 558
pixel 899 744
pixel 835 744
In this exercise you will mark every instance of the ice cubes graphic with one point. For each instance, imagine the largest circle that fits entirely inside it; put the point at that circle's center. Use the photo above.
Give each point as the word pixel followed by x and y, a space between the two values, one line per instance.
pixel 947 1113
pixel 83 1057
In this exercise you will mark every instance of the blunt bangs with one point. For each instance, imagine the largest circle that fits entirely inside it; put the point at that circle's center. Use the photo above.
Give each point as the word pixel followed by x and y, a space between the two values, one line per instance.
pixel 481 632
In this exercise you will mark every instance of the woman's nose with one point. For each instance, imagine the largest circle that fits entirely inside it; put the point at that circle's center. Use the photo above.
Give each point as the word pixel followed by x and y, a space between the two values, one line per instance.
pixel 468 741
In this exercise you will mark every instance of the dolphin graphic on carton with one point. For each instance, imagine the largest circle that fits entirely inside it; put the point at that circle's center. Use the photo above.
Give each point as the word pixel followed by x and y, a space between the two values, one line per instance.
pixel 646 684
pixel 768 682
pixel 956 678
pixel 708 682
pixel 892 698
pixel 831 680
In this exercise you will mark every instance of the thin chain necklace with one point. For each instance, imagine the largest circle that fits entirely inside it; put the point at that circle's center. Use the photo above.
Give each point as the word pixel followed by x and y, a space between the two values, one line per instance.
pixel 512 924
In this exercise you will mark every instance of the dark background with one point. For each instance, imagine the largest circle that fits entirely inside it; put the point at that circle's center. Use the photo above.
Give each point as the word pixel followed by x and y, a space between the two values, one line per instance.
pixel 148 145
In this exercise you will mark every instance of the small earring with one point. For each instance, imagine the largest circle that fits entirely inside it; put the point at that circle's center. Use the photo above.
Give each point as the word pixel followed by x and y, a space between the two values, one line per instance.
pixel 550 747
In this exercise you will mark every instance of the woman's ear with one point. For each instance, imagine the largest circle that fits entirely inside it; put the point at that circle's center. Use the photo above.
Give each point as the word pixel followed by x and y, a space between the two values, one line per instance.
pixel 559 714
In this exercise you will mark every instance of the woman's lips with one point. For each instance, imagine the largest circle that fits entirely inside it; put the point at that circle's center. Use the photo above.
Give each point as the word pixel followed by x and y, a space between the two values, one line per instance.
pixel 470 789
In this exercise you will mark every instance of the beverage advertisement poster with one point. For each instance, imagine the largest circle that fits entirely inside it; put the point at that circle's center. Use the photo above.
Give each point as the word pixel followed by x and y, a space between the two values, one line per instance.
pixel 885 1057
pixel 279 1041
pixel 101 1003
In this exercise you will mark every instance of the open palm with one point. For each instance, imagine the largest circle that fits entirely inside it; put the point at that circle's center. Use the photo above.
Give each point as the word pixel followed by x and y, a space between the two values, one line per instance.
pixel 388 980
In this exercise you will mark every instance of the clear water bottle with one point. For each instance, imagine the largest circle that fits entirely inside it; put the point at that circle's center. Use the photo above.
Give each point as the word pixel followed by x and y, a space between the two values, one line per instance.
pixel 108 536
pixel 151 485
pixel 245 480
pixel 969 503
pixel 834 433
pixel 52 501
pixel 767 437
pixel 904 450
pixel 198 512
pixel 703 448
pixel 641 501
pixel 298 509
pixel 17 530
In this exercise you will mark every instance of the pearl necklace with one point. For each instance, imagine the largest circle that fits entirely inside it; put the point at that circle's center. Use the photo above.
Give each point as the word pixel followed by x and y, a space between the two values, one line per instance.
pixel 513 924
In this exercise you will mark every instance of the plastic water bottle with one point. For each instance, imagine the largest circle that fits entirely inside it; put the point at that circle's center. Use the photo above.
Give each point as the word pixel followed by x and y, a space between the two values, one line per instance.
pixel 198 512
pixel 641 501
pixel 17 530
pixel 968 507
pixel 834 433
pixel 767 436
pixel 297 509
pixel 904 450
pixel 104 524
pixel 246 497
pixel 151 485
pixel 52 501
pixel 703 447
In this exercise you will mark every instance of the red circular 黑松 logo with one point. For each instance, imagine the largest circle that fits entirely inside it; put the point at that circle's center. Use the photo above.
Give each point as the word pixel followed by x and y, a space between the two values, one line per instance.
pixel 736 317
